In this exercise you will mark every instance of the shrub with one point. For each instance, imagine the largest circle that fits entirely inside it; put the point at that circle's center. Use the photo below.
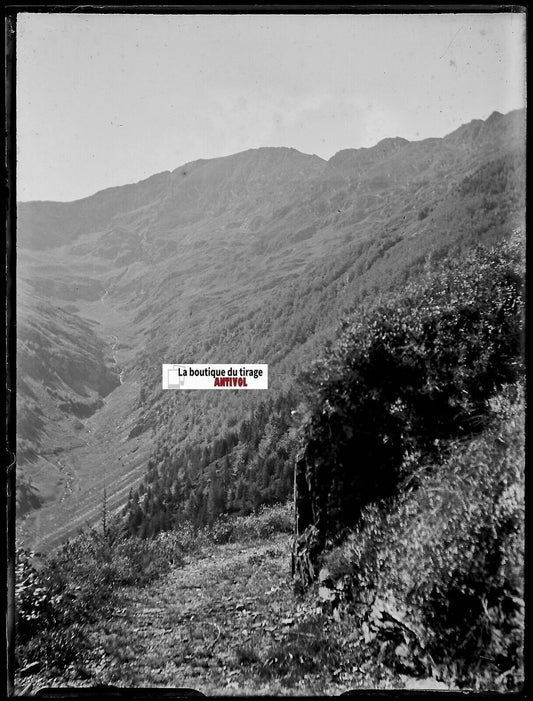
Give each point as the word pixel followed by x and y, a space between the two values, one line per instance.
pixel 264 523
pixel 442 566
pixel 406 378
pixel 34 603
pixel 78 583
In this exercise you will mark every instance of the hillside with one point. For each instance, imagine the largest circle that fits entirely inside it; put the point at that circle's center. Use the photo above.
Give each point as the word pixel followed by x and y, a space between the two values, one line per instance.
pixel 253 257
pixel 216 610
pixel 406 531
pixel 232 634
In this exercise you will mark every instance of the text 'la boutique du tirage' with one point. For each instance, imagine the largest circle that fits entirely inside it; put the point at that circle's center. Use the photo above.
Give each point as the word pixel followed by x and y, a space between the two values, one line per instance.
pixel 221 376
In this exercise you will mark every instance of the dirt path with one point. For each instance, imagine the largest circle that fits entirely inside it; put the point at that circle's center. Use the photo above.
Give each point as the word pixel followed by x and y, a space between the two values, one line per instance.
pixel 190 630
pixel 211 625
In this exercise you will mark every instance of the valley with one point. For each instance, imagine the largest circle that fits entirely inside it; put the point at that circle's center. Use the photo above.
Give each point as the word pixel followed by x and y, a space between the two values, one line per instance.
pixel 76 466
pixel 250 258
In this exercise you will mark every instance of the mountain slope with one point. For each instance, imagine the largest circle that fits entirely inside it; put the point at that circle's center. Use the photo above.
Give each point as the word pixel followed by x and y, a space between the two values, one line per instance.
pixel 249 258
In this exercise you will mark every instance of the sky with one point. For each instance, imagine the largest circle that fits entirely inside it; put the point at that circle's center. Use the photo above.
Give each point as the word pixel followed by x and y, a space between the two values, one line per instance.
pixel 109 99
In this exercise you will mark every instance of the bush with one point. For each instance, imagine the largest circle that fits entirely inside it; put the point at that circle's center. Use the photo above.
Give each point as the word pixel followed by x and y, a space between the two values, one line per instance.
pixel 34 603
pixel 405 379
pixel 263 524
pixel 78 583
pixel 441 568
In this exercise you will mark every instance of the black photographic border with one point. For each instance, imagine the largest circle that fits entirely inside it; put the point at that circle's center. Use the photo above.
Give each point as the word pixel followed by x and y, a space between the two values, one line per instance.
pixel 8 496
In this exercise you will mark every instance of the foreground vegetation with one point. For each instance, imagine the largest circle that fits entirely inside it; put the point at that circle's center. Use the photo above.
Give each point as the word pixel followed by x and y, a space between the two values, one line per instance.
pixel 427 592
pixel 405 379
pixel 410 478
pixel 60 596
pixel 433 580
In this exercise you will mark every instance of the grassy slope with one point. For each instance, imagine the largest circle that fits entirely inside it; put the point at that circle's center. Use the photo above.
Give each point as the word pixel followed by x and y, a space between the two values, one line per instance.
pixel 227 621
pixel 433 580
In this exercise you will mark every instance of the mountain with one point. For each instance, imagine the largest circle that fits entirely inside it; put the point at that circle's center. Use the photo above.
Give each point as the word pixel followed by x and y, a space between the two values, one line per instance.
pixel 253 257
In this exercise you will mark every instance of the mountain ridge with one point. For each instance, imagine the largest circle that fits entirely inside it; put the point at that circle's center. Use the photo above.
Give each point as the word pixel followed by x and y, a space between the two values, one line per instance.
pixel 495 117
